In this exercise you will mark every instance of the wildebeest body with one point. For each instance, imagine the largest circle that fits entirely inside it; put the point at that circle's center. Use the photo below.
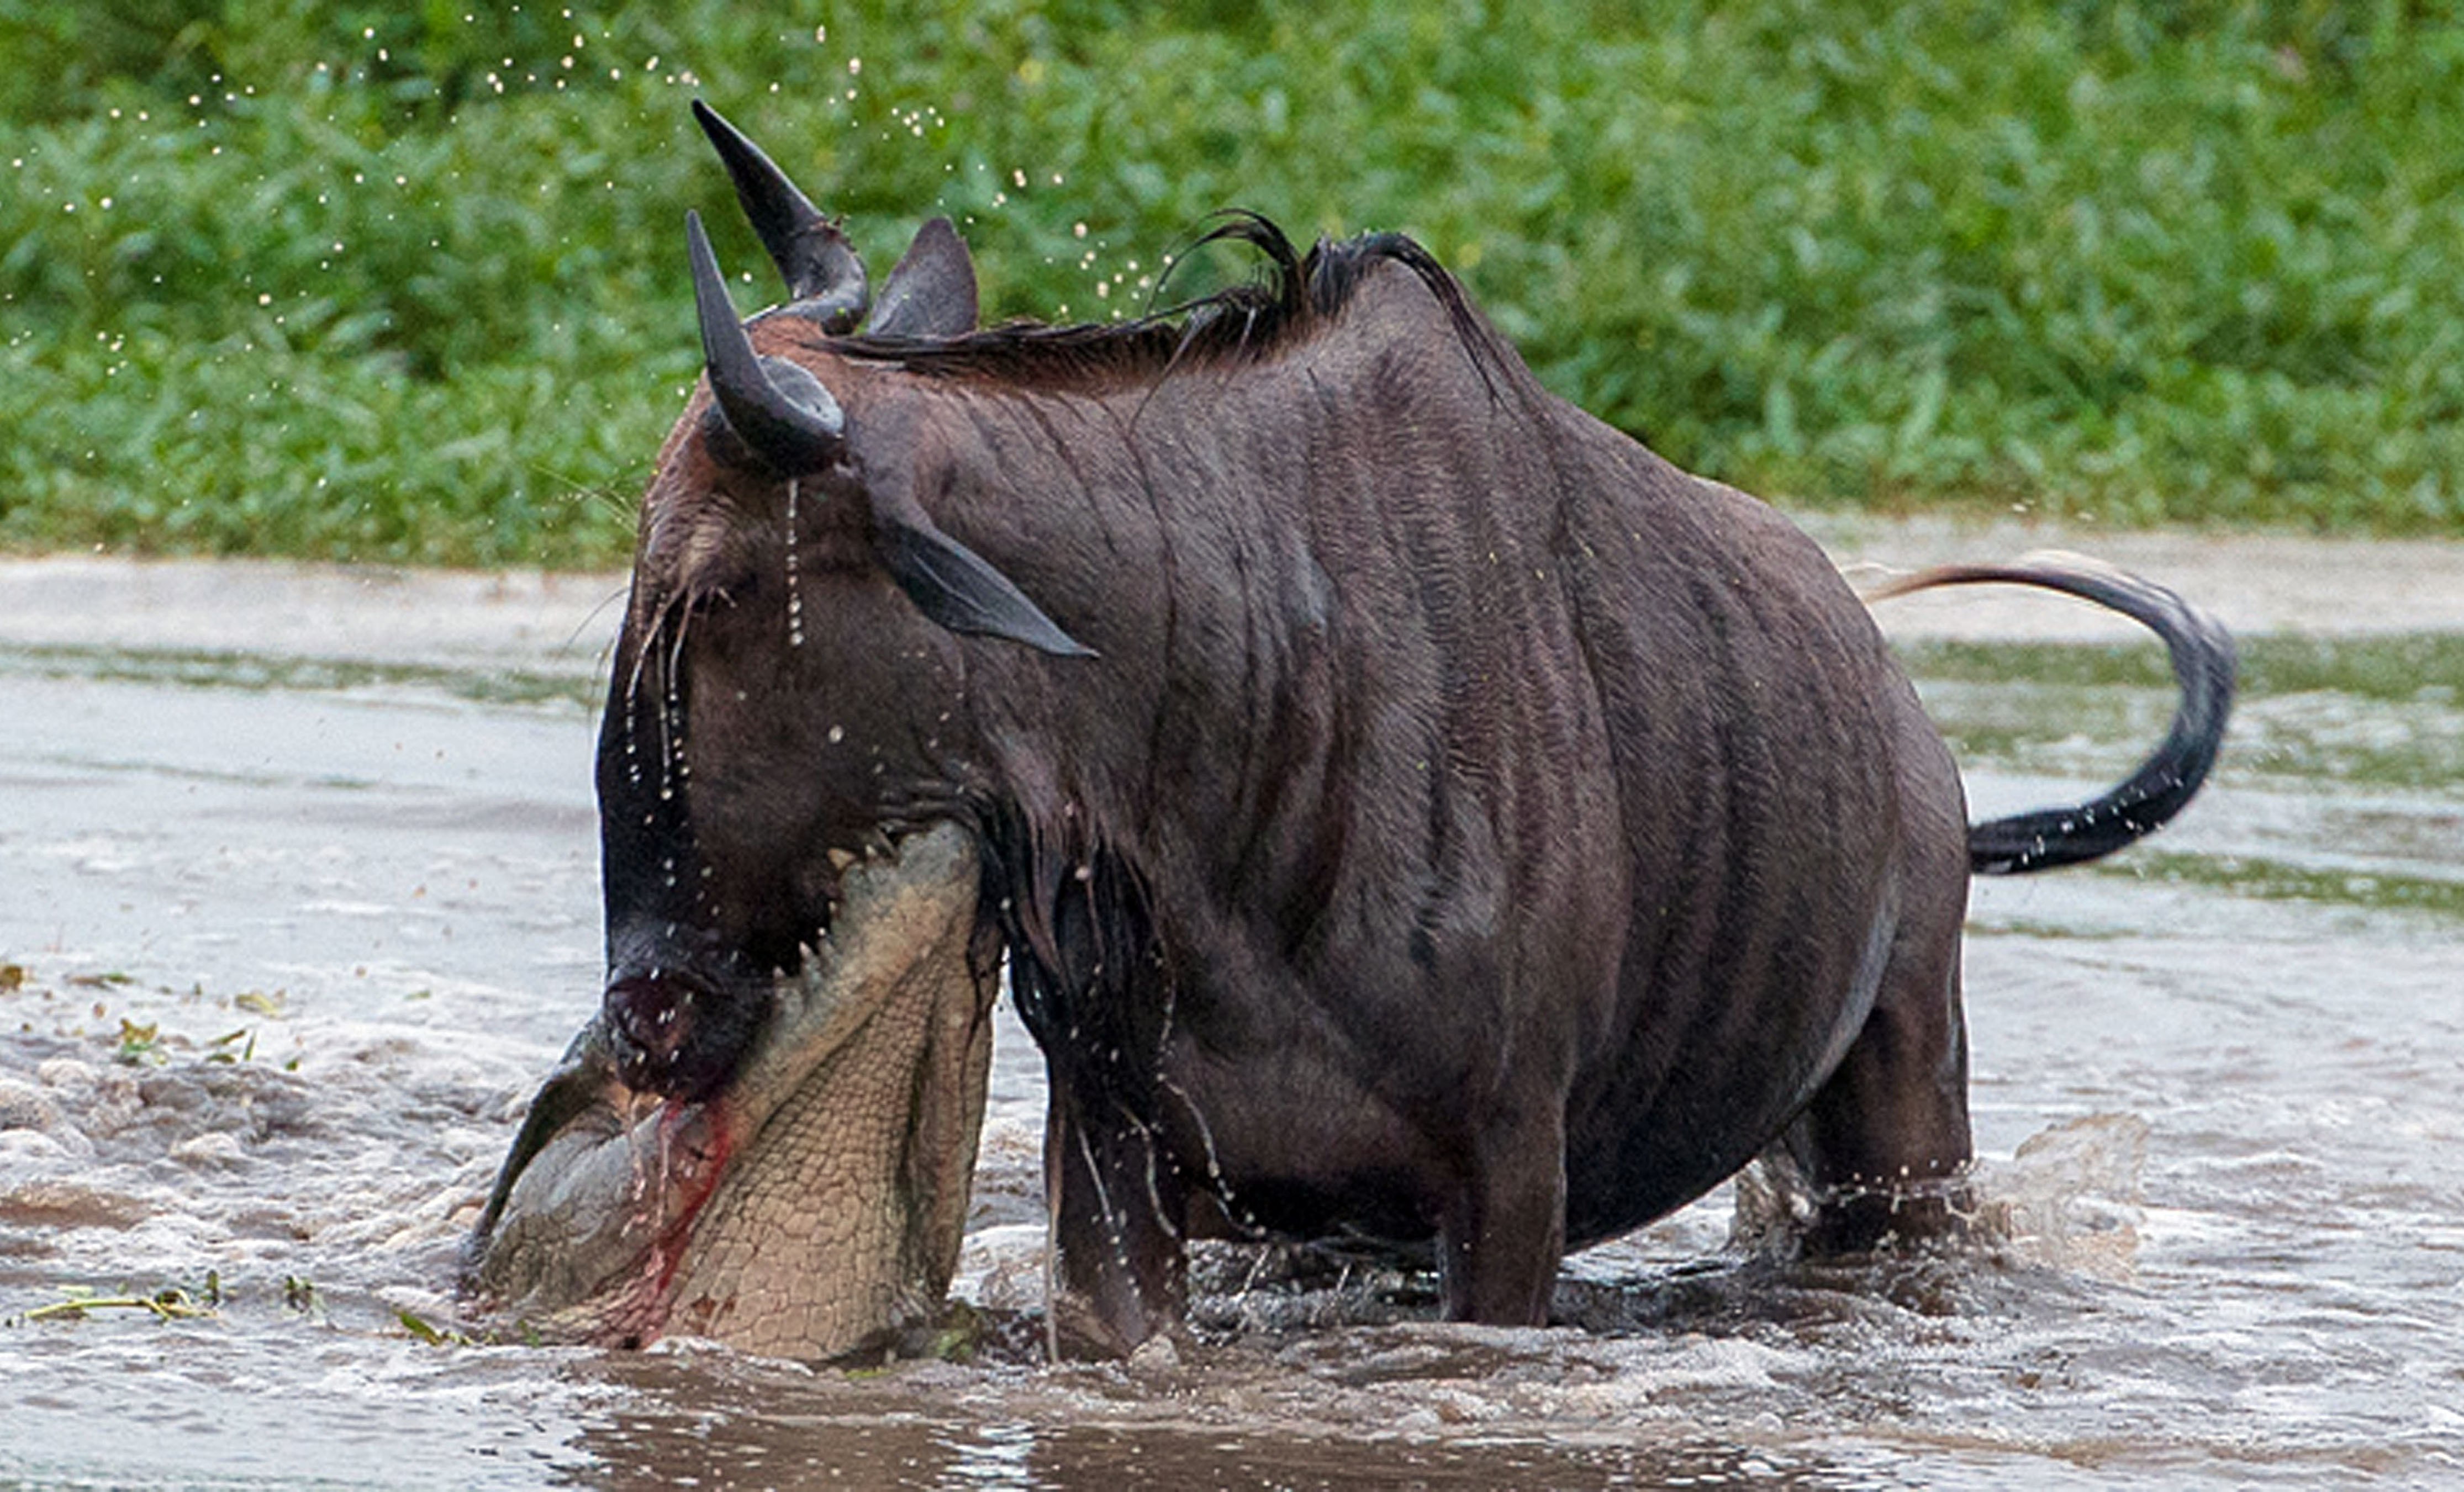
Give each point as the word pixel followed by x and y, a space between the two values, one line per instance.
pixel 1467 826
pixel 1484 798
pixel 1502 794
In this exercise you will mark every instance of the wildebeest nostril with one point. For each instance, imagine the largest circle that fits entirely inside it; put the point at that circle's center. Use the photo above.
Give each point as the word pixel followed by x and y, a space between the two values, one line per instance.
pixel 672 1034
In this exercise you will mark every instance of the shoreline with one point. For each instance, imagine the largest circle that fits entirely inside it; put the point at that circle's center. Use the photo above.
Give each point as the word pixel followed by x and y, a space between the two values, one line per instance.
pixel 562 623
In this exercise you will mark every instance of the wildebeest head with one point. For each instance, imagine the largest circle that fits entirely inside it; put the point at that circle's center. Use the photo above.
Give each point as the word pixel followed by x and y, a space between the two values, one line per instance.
pixel 788 492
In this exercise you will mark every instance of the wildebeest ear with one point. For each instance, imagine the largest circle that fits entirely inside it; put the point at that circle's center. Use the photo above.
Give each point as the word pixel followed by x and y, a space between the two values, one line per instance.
pixel 958 588
pixel 932 292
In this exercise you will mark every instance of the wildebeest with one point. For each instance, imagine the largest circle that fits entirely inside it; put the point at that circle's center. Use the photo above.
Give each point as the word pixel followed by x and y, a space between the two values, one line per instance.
pixel 1410 810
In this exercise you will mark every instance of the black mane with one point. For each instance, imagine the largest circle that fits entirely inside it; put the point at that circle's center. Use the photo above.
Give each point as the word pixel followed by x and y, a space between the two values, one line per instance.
pixel 1293 298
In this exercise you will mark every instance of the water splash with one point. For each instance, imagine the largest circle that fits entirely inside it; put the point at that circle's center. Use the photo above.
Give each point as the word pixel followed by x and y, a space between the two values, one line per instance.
pixel 795 590
pixel 2071 1197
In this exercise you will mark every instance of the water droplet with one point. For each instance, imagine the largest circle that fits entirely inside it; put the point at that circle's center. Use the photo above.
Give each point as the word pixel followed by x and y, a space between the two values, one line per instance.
pixel 795 593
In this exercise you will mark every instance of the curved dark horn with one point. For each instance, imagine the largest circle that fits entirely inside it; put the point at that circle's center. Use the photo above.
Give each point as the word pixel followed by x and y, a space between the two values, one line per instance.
pixel 825 276
pixel 776 408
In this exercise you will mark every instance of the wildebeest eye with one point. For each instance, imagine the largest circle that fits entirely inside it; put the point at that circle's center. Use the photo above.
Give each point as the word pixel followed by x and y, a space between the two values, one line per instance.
pixel 709 598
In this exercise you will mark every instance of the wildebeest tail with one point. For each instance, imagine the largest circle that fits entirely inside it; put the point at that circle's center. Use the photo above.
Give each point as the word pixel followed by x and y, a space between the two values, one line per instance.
pixel 2203 666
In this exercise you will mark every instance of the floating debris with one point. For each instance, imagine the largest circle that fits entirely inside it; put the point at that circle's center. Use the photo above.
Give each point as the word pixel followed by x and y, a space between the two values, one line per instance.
pixel 171 1302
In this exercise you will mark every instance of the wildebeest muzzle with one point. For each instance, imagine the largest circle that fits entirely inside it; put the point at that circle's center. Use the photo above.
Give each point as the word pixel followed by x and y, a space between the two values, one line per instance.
pixel 681 1011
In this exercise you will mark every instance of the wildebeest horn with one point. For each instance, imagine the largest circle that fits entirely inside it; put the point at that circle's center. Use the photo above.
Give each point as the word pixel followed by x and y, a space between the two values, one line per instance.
pixel 825 276
pixel 776 408
pixel 785 416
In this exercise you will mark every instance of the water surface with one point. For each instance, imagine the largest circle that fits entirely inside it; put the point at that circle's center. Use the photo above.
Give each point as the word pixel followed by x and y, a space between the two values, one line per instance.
pixel 285 947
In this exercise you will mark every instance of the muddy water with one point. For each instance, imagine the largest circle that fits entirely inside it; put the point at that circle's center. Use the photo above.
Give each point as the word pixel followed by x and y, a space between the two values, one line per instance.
pixel 286 947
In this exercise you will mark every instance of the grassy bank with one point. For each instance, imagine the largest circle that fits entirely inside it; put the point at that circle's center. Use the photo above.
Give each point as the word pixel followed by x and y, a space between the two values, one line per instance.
pixel 394 282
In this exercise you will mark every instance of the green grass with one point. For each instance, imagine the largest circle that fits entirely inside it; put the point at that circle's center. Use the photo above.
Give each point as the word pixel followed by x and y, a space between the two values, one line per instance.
pixel 2276 880
pixel 2390 668
pixel 2369 712
pixel 263 672
pixel 406 282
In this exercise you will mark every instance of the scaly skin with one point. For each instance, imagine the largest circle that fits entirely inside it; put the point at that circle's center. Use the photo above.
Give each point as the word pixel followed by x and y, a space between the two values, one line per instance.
pixel 813 1206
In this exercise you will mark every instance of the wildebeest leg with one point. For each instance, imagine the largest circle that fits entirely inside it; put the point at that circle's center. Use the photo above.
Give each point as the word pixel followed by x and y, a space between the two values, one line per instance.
pixel 1886 1140
pixel 1503 1233
pixel 1118 1272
